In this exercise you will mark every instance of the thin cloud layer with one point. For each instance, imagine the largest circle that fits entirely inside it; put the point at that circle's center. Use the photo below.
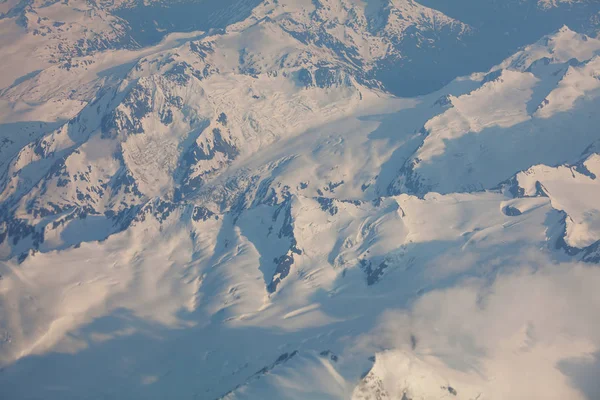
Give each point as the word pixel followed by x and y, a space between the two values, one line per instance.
pixel 532 333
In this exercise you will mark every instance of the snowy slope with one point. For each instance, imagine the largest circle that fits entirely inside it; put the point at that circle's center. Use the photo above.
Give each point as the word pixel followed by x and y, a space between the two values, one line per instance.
pixel 243 210
pixel 525 104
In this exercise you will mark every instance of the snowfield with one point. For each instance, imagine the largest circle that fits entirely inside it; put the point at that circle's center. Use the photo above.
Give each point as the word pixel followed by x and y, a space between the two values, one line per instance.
pixel 267 202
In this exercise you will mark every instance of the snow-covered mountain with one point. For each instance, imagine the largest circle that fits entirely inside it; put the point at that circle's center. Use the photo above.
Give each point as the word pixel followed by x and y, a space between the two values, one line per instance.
pixel 247 200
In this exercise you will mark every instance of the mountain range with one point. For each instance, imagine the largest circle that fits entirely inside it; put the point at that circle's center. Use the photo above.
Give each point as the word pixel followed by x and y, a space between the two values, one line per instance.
pixel 327 199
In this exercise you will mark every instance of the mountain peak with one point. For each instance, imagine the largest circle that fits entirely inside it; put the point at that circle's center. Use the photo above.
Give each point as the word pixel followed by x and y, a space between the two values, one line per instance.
pixel 560 46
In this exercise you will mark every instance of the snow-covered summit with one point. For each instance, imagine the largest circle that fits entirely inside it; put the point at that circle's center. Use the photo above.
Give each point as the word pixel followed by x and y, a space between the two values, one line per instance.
pixel 526 103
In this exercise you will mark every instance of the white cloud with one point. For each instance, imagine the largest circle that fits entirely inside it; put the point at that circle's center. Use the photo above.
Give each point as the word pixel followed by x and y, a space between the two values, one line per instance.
pixel 533 333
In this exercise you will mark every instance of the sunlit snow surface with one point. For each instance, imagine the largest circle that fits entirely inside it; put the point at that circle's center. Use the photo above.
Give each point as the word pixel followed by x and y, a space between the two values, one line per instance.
pixel 237 206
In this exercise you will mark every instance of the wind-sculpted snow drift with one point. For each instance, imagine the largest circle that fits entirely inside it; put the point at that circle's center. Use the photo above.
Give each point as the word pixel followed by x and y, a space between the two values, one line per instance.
pixel 239 206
